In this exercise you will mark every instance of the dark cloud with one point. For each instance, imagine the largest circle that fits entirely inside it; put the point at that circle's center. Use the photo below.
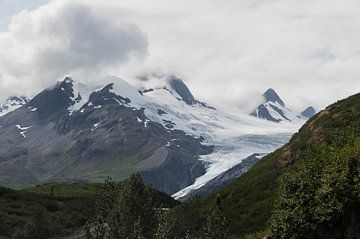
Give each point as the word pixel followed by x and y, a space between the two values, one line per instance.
pixel 65 37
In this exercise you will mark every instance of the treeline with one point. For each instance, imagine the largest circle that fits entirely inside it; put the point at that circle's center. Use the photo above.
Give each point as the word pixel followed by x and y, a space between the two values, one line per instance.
pixel 319 197
pixel 133 210
pixel 45 211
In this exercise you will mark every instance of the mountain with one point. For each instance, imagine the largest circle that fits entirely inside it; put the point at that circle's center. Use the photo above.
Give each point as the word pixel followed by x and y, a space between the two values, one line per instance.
pixel 306 189
pixel 12 103
pixel 71 132
pixel 178 88
pixel 308 112
pixel 182 91
pixel 274 109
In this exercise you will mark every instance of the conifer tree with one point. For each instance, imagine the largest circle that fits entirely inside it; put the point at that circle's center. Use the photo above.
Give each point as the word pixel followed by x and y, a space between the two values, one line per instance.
pixel 215 227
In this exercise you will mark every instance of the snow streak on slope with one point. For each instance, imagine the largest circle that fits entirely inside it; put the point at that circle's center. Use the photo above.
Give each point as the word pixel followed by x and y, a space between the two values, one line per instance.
pixel 231 152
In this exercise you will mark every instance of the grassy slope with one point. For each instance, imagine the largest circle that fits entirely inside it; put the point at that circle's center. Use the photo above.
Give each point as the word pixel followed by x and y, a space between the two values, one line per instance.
pixel 69 206
pixel 249 200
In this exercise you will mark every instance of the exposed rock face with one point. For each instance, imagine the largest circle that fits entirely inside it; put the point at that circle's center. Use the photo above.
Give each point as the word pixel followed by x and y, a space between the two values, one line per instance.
pixel 263 113
pixel 308 112
pixel 271 96
pixel 44 140
pixel 273 108
pixel 182 90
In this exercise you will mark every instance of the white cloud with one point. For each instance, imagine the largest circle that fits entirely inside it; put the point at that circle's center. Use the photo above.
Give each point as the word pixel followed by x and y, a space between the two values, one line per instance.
pixel 61 38
pixel 227 50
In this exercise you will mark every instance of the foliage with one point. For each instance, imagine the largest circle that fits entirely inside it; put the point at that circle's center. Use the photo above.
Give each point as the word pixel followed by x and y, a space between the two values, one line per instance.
pixel 24 211
pixel 129 210
pixel 215 227
pixel 319 181
pixel 320 188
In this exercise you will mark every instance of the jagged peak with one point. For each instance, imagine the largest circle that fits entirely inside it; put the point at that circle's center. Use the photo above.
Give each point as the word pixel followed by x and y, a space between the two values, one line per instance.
pixel 271 96
pixel 12 103
pixel 68 79
pixel 181 89
pixel 17 99
pixel 309 112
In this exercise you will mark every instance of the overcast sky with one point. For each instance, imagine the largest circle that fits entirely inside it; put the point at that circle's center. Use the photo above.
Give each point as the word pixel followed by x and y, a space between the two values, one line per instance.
pixel 227 51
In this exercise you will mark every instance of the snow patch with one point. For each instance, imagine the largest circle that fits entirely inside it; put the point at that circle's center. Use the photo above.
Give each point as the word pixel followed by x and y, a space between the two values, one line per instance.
pixel 12 104
pixel 23 130
pixel 146 123
pixel 231 153
pixel 81 95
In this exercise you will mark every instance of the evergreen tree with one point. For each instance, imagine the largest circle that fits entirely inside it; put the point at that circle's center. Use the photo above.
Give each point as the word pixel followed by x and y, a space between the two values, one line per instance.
pixel 164 224
pixel 124 211
pixel 215 227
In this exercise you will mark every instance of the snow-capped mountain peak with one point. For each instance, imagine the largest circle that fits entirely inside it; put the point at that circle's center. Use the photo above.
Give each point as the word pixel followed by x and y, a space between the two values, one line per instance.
pixel 12 103
pixel 271 96
pixel 181 91
pixel 308 112
pixel 70 107
pixel 274 109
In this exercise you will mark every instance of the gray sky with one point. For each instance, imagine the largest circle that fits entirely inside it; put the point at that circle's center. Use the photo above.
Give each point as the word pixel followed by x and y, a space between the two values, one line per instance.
pixel 228 51
pixel 11 7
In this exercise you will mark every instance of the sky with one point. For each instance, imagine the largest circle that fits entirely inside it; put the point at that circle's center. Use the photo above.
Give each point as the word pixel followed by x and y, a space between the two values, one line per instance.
pixel 227 51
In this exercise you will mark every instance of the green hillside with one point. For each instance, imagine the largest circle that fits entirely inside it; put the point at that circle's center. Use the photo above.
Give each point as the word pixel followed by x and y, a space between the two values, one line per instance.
pixel 306 188
pixel 58 210
pixel 61 209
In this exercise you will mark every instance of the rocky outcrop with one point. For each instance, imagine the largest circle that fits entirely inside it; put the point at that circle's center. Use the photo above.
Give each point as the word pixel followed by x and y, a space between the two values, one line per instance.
pixel 308 112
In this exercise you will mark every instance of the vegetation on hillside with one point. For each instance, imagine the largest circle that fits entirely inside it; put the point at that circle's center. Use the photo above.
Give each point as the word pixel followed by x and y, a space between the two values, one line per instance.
pixel 50 209
pixel 135 211
pixel 319 196
pixel 130 210
pixel 308 188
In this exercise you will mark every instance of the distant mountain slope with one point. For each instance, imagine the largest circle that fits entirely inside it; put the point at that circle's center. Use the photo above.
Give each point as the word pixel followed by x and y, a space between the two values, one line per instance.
pixel 12 103
pixel 223 179
pixel 274 109
pixel 76 132
pixel 308 112
pixel 71 132
pixel 319 187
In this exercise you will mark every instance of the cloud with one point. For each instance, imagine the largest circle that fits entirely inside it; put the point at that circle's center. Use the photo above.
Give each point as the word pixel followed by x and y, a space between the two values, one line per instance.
pixel 229 52
pixel 60 38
